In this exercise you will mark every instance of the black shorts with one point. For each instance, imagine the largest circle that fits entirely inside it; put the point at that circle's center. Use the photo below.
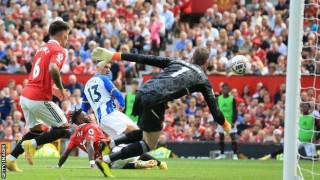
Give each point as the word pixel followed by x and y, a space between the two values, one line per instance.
pixel 184 18
pixel 150 115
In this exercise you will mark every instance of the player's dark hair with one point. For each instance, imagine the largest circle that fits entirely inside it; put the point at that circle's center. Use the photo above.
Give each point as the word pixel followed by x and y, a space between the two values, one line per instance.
pixel 200 55
pixel 225 85
pixel 75 114
pixel 57 27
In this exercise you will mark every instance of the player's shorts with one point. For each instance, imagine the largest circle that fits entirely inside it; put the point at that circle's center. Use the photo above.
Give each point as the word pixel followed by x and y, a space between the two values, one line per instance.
pixel 310 149
pixel 150 115
pixel 233 130
pixel 115 123
pixel 37 112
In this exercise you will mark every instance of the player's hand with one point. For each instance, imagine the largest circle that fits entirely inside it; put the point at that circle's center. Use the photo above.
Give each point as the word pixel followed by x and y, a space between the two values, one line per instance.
pixel 56 92
pixel 100 53
pixel 226 127
pixel 64 94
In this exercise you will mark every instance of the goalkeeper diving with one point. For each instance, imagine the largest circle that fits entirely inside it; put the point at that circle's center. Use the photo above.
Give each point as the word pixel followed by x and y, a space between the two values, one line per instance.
pixel 178 78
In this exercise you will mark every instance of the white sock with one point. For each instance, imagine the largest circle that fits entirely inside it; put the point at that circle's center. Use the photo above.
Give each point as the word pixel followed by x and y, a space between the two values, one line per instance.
pixel 112 144
pixel 11 158
pixel 34 143
pixel 106 159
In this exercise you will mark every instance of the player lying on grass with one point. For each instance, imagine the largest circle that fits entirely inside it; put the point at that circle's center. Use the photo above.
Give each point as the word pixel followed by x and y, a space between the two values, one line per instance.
pixel 178 78
pixel 88 135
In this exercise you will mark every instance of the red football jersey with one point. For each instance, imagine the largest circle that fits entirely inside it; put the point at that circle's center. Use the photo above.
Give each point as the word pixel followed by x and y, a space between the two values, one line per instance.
pixel 87 132
pixel 40 83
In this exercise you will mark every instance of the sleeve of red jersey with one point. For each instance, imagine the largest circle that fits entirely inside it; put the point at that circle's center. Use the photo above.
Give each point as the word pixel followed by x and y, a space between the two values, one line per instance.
pixel 58 57
pixel 72 143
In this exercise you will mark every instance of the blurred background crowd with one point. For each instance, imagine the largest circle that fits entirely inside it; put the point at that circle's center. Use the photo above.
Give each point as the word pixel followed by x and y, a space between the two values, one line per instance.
pixel 258 30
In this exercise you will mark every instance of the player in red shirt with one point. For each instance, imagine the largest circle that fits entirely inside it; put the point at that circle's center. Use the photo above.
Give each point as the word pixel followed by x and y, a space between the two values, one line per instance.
pixel 88 136
pixel 36 96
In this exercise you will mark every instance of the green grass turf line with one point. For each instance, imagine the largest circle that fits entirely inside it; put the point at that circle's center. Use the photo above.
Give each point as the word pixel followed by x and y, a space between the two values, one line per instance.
pixel 78 168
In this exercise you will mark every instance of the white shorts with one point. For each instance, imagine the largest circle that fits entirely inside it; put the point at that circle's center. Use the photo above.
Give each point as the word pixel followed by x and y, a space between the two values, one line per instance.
pixel 233 130
pixel 37 112
pixel 309 148
pixel 115 123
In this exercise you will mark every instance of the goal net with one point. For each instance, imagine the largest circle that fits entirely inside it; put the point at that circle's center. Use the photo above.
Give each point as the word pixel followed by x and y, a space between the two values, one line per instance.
pixel 302 148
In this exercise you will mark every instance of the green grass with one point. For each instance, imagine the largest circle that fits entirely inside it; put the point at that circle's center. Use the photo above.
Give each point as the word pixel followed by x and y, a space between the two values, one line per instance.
pixel 78 168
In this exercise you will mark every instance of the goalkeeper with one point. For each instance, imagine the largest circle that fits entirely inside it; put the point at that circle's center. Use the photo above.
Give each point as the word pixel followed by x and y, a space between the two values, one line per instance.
pixel 177 79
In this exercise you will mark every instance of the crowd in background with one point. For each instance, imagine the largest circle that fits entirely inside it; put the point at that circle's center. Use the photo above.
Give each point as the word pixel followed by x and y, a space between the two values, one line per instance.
pixel 258 30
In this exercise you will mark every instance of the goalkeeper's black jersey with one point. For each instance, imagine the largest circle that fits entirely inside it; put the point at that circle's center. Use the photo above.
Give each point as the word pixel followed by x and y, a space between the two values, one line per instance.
pixel 176 80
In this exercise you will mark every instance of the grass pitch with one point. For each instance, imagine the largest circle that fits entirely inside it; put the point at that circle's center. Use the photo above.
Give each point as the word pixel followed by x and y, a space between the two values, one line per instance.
pixel 78 168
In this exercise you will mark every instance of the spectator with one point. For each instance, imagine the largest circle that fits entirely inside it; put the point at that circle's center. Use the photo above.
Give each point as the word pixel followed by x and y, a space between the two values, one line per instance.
pixel 273 54
pixel 182 43
pixel 154 27
pixel 74 84
pixel 16 131
pixel 8 134
pixel 245 124
pixel 6 105
pixel 17 118
pixel 138 40
pixel 191 110
pixel 79 52
pixel 92 45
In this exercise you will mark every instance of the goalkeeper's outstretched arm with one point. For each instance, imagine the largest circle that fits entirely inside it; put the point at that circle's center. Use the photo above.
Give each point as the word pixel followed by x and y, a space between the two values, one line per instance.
pixel 108 56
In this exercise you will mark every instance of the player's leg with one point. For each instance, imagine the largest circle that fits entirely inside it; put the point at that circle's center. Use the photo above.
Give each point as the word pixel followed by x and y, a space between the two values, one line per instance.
pixel 160 164
pixel 37 131
pixel 151 123
pixel 134 149
pixel 234 144
pixel 272 155
pixel 52 115
pixel 221 145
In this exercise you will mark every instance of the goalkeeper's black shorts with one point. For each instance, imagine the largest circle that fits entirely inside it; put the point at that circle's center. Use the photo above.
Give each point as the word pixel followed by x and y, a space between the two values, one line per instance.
pixel 150 114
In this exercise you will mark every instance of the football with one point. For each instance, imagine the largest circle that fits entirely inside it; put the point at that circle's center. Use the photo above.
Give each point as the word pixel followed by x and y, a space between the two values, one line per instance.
pixel 240 64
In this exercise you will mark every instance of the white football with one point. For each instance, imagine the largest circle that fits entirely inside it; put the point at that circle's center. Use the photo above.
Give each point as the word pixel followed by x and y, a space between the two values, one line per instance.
pixel 240 64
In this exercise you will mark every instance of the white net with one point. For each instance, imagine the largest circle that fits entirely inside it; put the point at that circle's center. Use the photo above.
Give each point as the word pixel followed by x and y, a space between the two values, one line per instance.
pixel 309 112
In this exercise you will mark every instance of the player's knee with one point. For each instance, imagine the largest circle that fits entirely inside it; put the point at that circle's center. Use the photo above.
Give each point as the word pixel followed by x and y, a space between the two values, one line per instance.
pixel 145 146
pixel 131 128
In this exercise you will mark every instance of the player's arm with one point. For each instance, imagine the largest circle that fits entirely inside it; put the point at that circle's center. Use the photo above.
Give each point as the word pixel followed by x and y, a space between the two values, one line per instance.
pixel 207 92
pixel 66 153
pixel 64 157
pixel 85 104
pixel 54 70
pixel 91 153
pixel 107 56
pixel 113 91
pixel 89 137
